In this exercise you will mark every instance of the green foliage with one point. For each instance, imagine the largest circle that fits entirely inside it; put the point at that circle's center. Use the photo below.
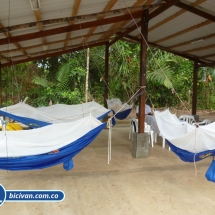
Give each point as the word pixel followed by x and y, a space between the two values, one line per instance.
pixel 62 78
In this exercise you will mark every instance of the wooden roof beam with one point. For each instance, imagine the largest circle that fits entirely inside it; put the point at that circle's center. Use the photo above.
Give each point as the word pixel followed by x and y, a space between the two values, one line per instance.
pixel 7 35
pixel 5 58
pixel 116 25
pixel 210 19
pixel 75 27
pixel 55 53
pixel 190 41
pixel 40 25
pixel 152 15
pixel 108 7
pixel 198 2
pixel 74 13
pixel 69 19
pixel 189 57
pixel 184 31
pixel 196 11
pixel 200 49
pixel 207 56
pixel 54 42
pixel 212 65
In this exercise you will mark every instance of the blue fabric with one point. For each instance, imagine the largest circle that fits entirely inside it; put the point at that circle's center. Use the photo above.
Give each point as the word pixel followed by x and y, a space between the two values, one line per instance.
pixel 102 116
pixel 189 156
pixel 64 155
pixel 113 121
pixel 210 174
pixel 122 115
pixel 32 123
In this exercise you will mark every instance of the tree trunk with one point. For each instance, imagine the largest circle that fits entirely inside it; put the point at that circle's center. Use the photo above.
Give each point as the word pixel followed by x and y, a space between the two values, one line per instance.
pixel 87 74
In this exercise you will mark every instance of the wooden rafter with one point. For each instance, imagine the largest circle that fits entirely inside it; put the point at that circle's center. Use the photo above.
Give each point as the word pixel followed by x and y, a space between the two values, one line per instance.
pixel 108 7
pixel 56 42
pixel 196 11
pixel 207 56
pixel 190 57
pixel 5 58
pixel 190 41
pixel 74 27
pixel 40 25
pixel 61 49
pixel 55 53
pixel 151 16
pixel 174 16
pixel 71 19
pixel 200 49
pixel 116 25
pixel 210 19
pixel 7 35
pixel 200 25
pixel 74 13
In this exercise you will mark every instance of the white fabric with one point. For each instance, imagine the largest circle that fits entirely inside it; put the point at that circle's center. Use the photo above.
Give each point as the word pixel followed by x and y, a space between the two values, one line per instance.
pixel 57 113
pixel 184 135
pixel 45 139
pixel 113 102
pixel 147 109
pixel 116 105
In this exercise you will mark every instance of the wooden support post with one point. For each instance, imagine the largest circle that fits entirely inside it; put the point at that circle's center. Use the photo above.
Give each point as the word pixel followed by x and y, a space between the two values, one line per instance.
pixel 0 87
pixel 106 74
pixel 195 80
pixel 143 57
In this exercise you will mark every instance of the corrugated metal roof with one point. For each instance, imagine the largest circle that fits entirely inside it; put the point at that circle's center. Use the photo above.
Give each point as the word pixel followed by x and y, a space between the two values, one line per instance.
pixel 66 25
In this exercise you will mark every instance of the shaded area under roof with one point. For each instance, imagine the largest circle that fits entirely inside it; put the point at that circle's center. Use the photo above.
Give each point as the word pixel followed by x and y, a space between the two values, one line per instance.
pixel 185 28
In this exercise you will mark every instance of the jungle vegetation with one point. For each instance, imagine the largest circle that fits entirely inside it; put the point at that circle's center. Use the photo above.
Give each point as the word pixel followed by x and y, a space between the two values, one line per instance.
pixel 62 79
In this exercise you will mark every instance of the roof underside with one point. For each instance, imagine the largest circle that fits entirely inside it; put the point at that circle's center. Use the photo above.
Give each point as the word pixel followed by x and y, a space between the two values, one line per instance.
pixel 186 28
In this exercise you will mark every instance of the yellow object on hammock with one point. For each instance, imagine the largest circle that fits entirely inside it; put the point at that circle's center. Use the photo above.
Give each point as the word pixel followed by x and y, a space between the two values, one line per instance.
pixel 13 127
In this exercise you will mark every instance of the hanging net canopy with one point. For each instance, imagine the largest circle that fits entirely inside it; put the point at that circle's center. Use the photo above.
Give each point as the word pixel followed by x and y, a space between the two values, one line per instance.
pixel 47 146
pixel 38 117
pixel 189 142
pixel 120 110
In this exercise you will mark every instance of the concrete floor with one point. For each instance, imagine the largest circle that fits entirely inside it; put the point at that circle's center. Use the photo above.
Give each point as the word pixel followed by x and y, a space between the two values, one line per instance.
pixel 159 184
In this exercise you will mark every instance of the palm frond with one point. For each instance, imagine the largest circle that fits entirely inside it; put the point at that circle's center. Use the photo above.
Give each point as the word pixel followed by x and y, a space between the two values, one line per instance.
pixel 41 81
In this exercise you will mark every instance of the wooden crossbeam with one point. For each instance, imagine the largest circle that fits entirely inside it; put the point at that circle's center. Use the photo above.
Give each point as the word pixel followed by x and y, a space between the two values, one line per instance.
pixel 174 15
pixel 210 19
pixel 72 19
pixel 40 26
pixel 196 11
pixel 55 42
pixel 184 31
pixel 74 13
pixel 55 53
pixel 108 7
pixel 152 15
pixel 200 49
pixel 7 34
pixel 119 24
pixel 190 41
pixel 69 28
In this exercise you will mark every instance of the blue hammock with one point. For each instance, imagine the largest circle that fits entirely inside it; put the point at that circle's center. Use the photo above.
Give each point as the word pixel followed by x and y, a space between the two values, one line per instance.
pixel 64 155
pixel 191 157
pixel 120 115
pixel 32 123
pixel 123 114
